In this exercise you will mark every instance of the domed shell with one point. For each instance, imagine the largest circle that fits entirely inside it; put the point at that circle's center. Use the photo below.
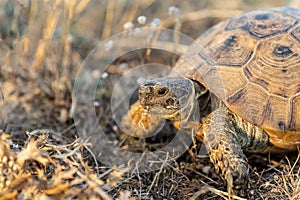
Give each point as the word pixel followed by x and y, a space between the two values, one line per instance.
pixel 252 62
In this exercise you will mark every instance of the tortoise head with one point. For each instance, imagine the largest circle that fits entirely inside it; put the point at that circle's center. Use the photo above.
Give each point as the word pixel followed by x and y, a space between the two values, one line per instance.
pixel 173 98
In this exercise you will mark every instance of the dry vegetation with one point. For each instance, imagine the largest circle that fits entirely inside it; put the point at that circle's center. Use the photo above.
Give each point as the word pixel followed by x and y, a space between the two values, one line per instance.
pixel 42 45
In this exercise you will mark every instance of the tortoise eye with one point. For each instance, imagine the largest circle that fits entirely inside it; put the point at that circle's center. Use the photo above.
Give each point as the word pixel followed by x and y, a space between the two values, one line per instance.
pixel 162 91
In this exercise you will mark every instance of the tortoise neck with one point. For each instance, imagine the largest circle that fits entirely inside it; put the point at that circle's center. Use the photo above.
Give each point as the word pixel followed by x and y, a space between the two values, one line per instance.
pixel 207 101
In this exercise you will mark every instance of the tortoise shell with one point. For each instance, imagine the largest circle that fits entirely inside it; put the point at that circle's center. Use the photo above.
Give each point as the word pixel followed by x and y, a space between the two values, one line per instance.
pixel 252 62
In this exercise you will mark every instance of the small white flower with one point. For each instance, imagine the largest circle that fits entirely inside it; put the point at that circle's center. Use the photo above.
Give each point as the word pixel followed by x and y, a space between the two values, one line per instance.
pixel 173 10
pixel 142 20
pixel 96 103
pixel 155 22
pixel 128 25
pixel 104 75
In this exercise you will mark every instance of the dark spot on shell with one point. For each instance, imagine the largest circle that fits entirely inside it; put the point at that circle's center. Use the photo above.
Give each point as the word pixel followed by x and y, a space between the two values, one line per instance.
pixel 264 16
pixel 284 70
pixel 232 99
pixel 229 42
pixel 247 73
pixel 282 125
pixel 268 109
pixel 262 26
pixel 281 94
pixel 282 51
pixel 263 83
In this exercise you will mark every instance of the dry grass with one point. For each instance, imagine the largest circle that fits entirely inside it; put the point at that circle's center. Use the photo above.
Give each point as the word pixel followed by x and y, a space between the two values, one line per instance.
pixel 42 45
pixel 45 169
pixel 285 184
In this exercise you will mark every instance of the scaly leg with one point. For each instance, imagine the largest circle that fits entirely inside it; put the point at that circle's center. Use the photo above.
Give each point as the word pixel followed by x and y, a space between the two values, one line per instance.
pixel 225 136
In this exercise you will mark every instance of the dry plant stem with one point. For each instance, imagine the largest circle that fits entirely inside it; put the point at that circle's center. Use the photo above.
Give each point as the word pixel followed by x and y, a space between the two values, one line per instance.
pixel 129 16
pixel 80 6
pixel 152 37
pixel 48 31
pixel 206 177
pixel 95 187
pixel 15 20
pixel 295 163
pixel 109 14
pixel 66 41
pixel 94 158
pixel 220 193
pixel 2 99
pixel 156 177
pixel 33 13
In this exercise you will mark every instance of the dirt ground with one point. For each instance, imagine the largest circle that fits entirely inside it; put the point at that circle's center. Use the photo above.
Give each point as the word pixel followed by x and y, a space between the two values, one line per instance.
pixel 48 147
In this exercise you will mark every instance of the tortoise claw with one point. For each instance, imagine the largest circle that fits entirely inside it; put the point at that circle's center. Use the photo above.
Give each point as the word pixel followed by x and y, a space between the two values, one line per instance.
pixel 229 180
pixel 233 167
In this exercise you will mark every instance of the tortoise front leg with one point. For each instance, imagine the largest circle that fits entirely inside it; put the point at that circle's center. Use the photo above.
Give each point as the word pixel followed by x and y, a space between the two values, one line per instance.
pixel 225 135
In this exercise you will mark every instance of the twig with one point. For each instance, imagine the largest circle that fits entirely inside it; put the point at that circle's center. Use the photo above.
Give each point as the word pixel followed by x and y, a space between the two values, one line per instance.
pixel 206 189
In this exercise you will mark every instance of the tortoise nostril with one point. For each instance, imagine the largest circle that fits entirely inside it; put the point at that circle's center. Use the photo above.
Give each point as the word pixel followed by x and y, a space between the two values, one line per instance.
pixel 170 101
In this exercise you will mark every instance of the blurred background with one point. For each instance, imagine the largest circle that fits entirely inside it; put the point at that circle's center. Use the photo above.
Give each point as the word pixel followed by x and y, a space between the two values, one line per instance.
pixel 43 44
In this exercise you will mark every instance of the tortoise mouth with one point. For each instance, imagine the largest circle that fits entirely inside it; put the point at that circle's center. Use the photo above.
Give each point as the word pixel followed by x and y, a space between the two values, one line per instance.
pixel 168 112
pixel 158 109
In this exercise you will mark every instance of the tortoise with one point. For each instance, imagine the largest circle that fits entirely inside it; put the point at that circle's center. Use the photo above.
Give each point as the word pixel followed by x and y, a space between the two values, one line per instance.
pixel 242 77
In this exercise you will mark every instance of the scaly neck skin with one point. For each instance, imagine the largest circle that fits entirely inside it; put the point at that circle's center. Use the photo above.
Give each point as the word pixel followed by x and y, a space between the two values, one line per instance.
pixel 197 106
pixel 202 102
pixel 188 107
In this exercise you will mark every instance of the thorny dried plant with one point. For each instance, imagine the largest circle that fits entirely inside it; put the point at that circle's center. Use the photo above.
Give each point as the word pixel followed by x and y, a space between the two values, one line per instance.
pixel 285 184
pixel 44 170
